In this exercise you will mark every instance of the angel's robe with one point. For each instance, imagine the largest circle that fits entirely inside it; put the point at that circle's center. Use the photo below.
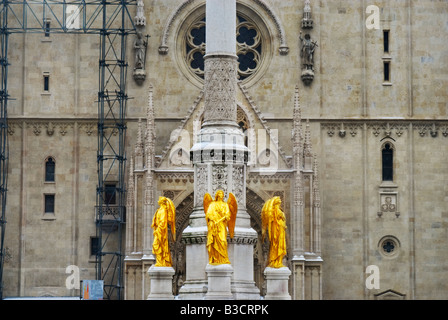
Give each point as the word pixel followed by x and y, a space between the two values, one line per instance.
pixel 160 245
pixel 217 216
pixel 277 238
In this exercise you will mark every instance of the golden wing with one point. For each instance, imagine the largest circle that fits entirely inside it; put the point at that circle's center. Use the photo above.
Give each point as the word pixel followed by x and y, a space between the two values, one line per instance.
pixel 207 200
pixel 172 217
pixel 233 206
pixel 266 215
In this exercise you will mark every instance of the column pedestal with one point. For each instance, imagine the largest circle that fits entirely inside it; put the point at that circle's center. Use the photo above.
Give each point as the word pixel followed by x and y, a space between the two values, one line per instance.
pixel 161 283
pixel 219 282
pixel 277 283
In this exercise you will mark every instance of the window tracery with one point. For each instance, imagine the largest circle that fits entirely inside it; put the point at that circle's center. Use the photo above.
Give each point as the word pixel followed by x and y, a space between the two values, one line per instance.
pixel 249 47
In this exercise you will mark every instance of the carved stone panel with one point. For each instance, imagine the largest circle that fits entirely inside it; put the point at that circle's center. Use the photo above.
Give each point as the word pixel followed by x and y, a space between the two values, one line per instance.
pixel 201 182
pixel 220 178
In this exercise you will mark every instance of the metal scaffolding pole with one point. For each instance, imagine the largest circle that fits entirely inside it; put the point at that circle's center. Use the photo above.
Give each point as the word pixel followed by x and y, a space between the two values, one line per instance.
pixel 4 34
pixel 112 21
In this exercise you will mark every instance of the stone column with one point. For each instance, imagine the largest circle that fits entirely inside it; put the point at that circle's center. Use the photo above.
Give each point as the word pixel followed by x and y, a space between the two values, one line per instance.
pixel 219 158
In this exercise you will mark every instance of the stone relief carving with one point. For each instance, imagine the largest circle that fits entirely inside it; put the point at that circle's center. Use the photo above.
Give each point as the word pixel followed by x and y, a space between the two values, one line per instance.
pixel 388 204
pixel 220 179
pixel 386 129
pixel 238 179
pixel 220 95
pixel 201 181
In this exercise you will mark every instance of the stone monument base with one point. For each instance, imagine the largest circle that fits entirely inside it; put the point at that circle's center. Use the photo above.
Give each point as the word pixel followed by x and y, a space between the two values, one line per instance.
pixel 277 283
pixel 161 283
pixel 219 282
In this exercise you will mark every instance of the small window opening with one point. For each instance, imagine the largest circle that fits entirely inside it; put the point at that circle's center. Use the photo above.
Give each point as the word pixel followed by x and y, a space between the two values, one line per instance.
pixel 388 160
pixel 386 71
pixel 49 203
pixel 110 194
pixel 46 82
pixel 47 28
pixel 94 245
pixel 50 170
pixel 386 40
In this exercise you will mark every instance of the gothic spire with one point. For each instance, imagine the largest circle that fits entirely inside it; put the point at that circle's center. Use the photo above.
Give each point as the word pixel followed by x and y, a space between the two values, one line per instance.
pixel 149 149
pixel 307 145
pixel 316 188
pixel 130 187
pixel 138 150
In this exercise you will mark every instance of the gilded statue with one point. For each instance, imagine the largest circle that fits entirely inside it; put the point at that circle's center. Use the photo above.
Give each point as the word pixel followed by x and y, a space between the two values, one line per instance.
pixel 164 216
pixel 220 216
pixel 274 225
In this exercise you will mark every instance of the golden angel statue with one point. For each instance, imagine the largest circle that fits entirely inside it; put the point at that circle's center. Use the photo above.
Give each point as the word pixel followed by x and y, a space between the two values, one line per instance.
pixel 274 222
pixel 164 216
pixel 220 216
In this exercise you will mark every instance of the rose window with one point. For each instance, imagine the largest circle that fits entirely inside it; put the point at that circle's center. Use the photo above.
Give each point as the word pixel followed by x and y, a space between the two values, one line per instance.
pixel 249 47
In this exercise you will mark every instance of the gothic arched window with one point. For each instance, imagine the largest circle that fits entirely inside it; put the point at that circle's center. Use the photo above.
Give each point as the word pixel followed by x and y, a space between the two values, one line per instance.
pixel 50 167
pixel 388 162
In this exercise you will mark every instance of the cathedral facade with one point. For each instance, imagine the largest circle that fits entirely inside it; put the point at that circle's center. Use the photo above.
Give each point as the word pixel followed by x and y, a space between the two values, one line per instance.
pixel 344 110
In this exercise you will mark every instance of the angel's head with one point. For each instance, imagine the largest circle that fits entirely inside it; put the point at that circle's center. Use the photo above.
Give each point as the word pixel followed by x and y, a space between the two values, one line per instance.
pixel 277 201
pixel 162 200
pixel 219 195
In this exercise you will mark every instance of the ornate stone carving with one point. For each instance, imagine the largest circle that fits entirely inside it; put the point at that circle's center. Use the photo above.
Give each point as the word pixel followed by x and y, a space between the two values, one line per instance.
pixel 386 129
pixel 140 47
pixel 308 47
pixel 140 19
pixel 220 89
pixel 219 178
pixel 307 21
pixel 238 182
pixel 201 183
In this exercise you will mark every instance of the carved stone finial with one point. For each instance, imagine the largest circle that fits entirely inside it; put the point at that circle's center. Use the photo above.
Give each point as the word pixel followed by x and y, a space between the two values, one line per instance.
pixel 140 19
pixel 307 144
pixel 307 21
pixel 316 189
pixel 297 134
pixel 130 189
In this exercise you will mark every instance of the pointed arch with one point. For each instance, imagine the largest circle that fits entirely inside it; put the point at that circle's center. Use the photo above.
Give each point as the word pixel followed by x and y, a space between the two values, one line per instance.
pixel 387 160
pixel 50 169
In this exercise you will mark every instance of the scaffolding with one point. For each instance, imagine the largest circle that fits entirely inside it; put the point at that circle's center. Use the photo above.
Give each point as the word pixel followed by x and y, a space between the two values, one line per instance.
pixel 112 21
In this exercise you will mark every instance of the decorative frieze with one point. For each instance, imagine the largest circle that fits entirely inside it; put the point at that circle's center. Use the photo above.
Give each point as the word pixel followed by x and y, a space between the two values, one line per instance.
pixel 386 129
pixel 51 128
